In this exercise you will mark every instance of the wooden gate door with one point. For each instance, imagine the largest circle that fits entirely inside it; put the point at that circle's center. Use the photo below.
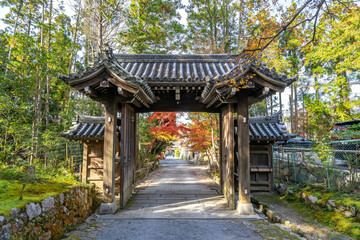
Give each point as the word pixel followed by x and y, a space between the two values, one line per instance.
pixel 128 153
pixel 261 167
pixel 227 154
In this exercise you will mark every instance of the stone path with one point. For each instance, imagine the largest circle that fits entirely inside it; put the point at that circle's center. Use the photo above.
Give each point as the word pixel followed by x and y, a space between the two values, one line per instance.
pixel 177 190
pixel 178 201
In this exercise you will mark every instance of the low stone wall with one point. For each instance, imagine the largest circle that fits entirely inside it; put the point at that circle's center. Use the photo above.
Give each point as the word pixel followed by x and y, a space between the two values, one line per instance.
pixel 50 218
pixel 304 172
pixel 148 167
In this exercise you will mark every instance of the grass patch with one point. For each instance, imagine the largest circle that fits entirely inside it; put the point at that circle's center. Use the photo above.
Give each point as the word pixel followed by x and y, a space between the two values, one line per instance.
pixel 33 192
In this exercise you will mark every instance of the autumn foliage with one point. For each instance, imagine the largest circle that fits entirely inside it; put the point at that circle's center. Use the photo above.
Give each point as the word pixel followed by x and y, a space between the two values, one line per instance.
pixel 166 129
pixel 203 136
pixel 199 136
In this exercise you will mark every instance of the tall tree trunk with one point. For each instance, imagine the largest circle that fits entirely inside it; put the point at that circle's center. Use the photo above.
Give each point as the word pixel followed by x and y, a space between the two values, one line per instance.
pixel 213 149
pixel 317 96
pixel 87 51
pixel 36 120
pixel 48 77
pixel 39 116
pixel 209 157
pixel 33 132
pixel 15 30
pixel 240 35
pixel 225 32
pixel 75 36
pixel 100 28
pixel 292 108
pixel 6 136
pixel 280 102
pixel 29 24
pixel 42 23
pixel 345 88
pixel 266 106
pixel 296 117
pixel 303 113
pixel 37 99
pixel 215 28
pixel 47 102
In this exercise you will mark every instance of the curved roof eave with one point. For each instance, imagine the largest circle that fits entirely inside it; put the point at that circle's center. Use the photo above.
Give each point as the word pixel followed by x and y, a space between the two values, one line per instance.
pixel 110 65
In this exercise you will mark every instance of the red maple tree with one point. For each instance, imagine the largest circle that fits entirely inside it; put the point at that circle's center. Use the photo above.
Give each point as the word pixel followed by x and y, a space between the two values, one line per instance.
pixel 166 128
pixel 202 138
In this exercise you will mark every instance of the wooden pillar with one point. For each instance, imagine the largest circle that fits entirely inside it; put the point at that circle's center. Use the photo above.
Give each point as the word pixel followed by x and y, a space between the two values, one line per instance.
pixel 221 155
pixel 109 147
pixel 136 144
pixel 85 163
pixel 227 152
pixel 244 205
pixel 123 152
pixel 270 161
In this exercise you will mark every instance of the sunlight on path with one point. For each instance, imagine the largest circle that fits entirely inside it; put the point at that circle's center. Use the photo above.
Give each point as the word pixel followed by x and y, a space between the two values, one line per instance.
pixel 176 190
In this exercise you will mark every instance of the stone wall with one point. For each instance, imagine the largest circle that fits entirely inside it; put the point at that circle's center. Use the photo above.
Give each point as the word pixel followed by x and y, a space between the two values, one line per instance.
pixel 307 173
pixel 50 218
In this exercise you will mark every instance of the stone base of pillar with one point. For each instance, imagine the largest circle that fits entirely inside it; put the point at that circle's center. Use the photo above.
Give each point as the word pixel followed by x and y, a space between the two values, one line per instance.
pixel 108 208
pixel 245 209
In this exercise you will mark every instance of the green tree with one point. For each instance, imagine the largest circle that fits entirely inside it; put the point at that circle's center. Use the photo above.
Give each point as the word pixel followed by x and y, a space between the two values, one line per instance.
pixel 336 57
pixel 32 97
pixel 152 26
pixel 102 21
pixel 212 26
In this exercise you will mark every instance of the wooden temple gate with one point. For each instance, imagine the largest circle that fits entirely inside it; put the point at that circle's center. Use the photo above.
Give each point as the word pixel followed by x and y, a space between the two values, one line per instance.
pixel 128 84
pixel 128 155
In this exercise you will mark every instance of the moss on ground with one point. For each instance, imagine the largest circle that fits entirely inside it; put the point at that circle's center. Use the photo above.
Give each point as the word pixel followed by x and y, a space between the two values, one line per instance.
pixel 340 198
pixel 273 232
pixel 333 220
pixel 74 237
pixel 10 193
pixel 130 202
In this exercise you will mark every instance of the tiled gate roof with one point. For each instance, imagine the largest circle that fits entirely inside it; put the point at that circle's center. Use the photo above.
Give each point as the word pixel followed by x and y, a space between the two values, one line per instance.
pixel 204 82
pixel 269 128
pixel 178 68
pixel 87 128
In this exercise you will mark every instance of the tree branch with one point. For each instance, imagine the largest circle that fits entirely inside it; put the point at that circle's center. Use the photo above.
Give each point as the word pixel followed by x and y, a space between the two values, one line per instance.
pixel 283 28
pixel 328 11
pixel 316 18
pixel 296 25
pixel 342 3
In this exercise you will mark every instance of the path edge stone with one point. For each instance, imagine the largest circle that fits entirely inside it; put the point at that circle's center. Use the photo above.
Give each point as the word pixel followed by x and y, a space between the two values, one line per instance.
pixel 272 215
